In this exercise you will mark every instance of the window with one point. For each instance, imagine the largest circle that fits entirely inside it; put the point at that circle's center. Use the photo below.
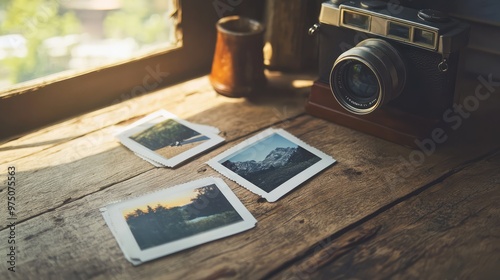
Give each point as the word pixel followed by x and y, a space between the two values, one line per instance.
pixel 34 105
pixel 43 37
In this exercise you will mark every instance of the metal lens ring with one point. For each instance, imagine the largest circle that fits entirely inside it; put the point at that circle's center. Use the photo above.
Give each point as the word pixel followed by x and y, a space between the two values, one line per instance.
pixel 367 76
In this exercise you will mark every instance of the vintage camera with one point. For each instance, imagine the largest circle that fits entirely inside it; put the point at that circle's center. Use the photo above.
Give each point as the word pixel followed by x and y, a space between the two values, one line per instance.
pixel 385 69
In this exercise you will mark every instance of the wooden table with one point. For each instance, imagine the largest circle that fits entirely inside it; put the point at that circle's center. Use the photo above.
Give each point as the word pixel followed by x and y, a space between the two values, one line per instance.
pixel 371 215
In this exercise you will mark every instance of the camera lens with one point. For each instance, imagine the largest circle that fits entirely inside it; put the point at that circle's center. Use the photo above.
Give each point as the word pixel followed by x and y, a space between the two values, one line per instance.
pixel 367 76
pixel 361 81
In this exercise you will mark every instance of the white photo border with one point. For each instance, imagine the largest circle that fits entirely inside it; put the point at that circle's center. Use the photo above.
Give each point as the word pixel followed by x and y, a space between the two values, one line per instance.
pixel 113 215
pixel 163 115
pixel 284 188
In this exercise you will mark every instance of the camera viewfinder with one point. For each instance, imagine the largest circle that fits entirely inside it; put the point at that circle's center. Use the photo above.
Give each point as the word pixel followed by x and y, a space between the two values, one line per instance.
pixel 399 30
pixel 356 20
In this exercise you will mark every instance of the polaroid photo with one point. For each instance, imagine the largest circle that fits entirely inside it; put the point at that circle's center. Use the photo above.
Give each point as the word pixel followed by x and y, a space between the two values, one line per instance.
pixel 271 163
pixel 164 139
pixel 176 218
pixel 200 127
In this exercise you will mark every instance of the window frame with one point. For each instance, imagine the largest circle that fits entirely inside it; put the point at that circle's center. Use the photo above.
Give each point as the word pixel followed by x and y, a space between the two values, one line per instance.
pixel 28 108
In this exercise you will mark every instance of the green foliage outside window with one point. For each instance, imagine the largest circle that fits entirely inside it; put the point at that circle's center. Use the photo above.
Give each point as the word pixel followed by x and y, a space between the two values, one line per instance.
pixel 35 20
pixel 137 19
pixel 38 20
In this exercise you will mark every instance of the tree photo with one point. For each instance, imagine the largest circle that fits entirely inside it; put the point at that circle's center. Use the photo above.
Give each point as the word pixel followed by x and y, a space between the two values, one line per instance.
pixel 156 225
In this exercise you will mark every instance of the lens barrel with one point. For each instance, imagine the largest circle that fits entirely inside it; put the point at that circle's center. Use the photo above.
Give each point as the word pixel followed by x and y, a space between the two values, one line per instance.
pixel 367 76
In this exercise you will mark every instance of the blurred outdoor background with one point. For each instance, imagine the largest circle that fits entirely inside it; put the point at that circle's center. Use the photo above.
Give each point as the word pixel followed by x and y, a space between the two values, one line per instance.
pixel 43 37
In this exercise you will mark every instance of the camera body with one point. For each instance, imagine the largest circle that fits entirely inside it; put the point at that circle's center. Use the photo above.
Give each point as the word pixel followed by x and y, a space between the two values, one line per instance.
pixel 386 69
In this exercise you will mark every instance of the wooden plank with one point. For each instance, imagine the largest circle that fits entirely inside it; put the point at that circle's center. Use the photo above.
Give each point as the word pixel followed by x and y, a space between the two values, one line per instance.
pixel 186 99
pixel 81 166
pixel 450 231
pixel 74 239
pixel 87 123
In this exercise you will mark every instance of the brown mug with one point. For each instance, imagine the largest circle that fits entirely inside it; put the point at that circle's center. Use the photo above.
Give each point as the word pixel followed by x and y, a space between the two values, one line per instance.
pixel 238 65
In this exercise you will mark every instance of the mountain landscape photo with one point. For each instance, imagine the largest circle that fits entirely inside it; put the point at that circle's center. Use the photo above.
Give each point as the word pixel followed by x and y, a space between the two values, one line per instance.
pixel 278 166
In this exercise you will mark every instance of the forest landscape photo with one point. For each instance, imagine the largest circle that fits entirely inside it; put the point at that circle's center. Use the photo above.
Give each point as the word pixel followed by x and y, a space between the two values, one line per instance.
pixel 183 215
pixel 270 162
pixel 169 138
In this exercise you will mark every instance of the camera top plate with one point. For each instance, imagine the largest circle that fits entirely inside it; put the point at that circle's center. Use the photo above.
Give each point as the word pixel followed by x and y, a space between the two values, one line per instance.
pixel 427 29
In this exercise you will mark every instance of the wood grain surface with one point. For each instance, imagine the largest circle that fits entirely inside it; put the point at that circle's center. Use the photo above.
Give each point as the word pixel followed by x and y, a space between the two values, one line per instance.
pixel 374 214
pixel 449 231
